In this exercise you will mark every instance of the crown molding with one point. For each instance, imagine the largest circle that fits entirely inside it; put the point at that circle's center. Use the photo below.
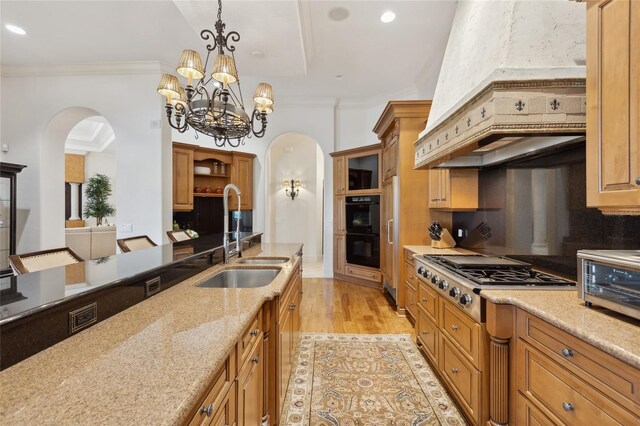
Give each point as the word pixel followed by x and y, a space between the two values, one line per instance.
pixel 113 68
pixel 306 35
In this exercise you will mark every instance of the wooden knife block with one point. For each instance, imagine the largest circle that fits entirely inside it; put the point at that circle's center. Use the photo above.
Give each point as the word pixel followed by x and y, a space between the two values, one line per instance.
pixel 446 241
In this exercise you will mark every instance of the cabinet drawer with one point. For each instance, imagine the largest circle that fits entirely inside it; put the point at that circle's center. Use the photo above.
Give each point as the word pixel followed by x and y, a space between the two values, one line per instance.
pixel 528 414
pixel 427 332
pixel 591 364
pixel 411 301
pixel 462 376
pixel 216 397
pixel 410 275
pixel 428 299
pixel 251 334
pixel 554 389
pixel 365 273
pixel 226 414
pixel 462 330
pixel 408 257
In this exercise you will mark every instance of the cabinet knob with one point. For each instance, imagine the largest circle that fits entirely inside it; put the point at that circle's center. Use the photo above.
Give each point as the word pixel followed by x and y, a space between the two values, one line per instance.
pixel 292 307
pixel 255 332
pixel 567 352
pixel 255 359
pixel 454 370
pixel 424 299
pixel 638 181
pixel 567 406
pixel 207 410
pixel 425 333
pixel 454 327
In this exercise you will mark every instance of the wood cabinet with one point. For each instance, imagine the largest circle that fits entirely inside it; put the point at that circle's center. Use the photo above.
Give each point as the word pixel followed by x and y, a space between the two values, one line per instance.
pixel 403 192
pixel 453 189
pixel 182 178
pixel 250 388
pixel 613 106
pixel 242 177
pixel 199 172
pixel 343 180
pixel 411 285
pixel 542 375
pixel 339 175
pixel 288 332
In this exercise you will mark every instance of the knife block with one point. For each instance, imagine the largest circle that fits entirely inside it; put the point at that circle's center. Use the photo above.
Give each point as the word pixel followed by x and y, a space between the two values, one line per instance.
pixel 446 241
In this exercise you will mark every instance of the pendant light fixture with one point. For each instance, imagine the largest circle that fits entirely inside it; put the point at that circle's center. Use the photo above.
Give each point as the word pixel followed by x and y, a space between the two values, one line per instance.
pixel 213 104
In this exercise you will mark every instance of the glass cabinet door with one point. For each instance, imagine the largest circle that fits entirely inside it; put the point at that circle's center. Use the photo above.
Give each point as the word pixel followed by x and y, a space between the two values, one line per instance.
pixel 5 222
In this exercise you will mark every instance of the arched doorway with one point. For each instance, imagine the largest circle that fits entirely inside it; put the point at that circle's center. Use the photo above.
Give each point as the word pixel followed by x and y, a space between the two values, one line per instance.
pixel 63 128
pixel 299 157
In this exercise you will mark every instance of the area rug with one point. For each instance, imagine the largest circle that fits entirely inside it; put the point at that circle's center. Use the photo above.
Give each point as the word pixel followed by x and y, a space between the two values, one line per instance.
pixel 365 380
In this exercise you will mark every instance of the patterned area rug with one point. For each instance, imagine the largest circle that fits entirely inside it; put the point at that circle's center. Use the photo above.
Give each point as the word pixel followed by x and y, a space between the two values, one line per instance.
pixel 358 380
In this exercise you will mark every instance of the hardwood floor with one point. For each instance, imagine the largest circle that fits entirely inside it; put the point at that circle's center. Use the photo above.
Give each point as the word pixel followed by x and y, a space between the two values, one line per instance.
pixel 334 306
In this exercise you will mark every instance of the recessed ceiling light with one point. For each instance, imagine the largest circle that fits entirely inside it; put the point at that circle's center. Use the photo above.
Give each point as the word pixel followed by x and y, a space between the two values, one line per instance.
pixel 339 76
pixel 338 14
pixel 15 29
pixel 388 16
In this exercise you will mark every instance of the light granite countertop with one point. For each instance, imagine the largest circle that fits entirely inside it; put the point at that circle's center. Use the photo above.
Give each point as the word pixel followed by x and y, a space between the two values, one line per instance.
pixel 609 331
pixel 146 365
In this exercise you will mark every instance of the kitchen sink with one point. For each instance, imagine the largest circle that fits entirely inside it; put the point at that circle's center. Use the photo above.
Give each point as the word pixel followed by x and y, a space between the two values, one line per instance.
pixel 241 278
pixel 263 260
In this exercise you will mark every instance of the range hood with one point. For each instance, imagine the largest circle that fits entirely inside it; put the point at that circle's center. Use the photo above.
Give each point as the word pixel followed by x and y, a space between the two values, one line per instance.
pixel 512 83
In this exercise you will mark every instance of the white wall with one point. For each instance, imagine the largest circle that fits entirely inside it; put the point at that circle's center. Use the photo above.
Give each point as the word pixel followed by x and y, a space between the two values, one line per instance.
pixel 508 39
pixel 103 163
pixel 129 102
pixel 295 156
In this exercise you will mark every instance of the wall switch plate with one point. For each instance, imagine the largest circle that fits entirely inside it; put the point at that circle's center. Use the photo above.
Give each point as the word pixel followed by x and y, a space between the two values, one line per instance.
pixel 125 228
pixel 5 147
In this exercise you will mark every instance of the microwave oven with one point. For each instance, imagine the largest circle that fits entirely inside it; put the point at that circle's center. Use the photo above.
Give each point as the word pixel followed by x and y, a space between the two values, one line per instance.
pixel 611 279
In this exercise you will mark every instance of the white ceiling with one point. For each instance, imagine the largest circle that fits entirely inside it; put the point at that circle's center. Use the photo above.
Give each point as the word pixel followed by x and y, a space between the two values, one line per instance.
pixel 93 134
pixel 304 50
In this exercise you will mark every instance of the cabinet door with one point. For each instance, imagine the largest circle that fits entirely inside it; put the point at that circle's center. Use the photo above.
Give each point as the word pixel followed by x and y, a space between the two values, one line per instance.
pixel 339 254
pixel 250 389
pixel 242 177
pixel 386 239
pixel 613 98
pixel 411 300
pixel 339 226
pixel 434 188
pixel 390 159
pixel 339 175
pixel 226 413
pixel 284 357
pixel 182 179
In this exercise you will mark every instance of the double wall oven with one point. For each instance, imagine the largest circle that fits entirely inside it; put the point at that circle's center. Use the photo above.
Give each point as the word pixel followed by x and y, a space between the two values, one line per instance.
pixel 362 217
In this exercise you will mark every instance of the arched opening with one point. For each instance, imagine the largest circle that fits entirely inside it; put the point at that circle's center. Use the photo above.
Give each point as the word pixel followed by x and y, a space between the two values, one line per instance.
pixel 86 136
pixel 298 157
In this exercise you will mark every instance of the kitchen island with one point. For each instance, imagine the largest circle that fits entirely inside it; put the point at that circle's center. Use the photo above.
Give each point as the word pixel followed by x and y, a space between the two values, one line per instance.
pixel 149 364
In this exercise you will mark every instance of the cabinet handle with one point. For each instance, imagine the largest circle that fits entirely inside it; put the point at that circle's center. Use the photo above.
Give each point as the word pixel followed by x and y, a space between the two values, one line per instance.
pixel 425 333
pixel 454 327
pixel 567 406
pixel 454 370
pixel 207 410
pixel 292 306
pixel 424 299
pixel 567 352
pixel 255 359
pixel 255 332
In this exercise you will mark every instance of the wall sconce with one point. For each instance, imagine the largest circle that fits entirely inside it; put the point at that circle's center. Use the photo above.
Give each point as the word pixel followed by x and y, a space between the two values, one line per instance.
pixel 291 188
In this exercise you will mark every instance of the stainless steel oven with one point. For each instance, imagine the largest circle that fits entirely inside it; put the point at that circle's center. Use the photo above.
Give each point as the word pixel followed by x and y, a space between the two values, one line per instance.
pixel 610 278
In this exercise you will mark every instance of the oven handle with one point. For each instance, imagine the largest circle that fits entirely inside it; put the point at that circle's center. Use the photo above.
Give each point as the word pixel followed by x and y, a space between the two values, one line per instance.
pixel 389 232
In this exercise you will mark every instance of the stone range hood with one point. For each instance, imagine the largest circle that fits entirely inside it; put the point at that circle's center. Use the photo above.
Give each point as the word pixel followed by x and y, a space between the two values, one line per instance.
pixel 512 82
pixel 532 114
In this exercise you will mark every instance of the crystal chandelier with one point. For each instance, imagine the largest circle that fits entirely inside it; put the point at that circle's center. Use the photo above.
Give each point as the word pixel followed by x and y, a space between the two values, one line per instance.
pixel 218 110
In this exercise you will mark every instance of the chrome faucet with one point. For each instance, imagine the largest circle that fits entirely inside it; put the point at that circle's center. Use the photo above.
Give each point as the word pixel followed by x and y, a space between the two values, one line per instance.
pixel 228 253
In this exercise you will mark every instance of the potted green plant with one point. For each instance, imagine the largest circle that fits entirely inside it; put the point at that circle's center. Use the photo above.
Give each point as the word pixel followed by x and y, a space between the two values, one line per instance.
pixel 97 192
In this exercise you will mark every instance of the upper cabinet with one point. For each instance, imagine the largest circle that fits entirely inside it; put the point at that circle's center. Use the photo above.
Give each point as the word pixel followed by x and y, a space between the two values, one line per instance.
pixel 613 106
pixel 390 152
pixel 453 189
pixel 182 178
pixel 204 172
pixel 339 175
pixel 357 171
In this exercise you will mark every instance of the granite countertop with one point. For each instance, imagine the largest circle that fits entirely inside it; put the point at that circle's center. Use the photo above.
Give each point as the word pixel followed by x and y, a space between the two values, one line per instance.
pixel 149 364
pixel 607 330
pixel 420 250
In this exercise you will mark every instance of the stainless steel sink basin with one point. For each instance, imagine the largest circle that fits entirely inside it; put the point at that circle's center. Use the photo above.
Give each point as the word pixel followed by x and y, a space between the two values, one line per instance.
pixel 264 260
pixel 241 278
